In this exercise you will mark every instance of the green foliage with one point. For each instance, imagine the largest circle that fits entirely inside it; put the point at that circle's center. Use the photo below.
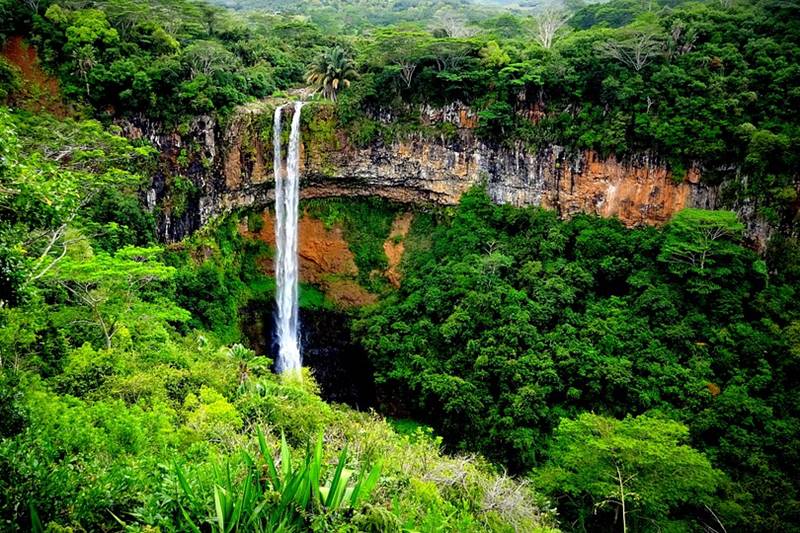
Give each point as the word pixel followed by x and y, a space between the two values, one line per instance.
pixel 13 414
pixel 356 16
pixel 54 176
pixel 639 467
pixel 171 58
pixel 280 503
pixel 107 290
pixel 704 243
pixel 363 132
pixel 108 458
pixel 91 430
pixel 118 219
pixel 210 295
pixel 254 222
pixel 509 320
pixel 312 298
pixel 9 79
pixel 78 459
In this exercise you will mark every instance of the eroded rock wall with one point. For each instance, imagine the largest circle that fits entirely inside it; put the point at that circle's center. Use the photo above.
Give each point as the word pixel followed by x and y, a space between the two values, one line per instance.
pixel 638 191
pixel 230 166
pixel 325 259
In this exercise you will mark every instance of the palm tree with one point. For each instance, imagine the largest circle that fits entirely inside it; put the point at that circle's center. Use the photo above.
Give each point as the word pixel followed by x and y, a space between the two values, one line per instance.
pixel 331 71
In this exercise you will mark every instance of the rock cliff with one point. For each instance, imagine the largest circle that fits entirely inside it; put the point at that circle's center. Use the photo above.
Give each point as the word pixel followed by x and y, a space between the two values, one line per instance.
pixel 325 259
pixel 210 168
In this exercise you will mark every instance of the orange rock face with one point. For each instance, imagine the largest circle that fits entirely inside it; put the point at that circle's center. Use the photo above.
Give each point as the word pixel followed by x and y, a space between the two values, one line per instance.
pixel 636 194
pixel 233 166
pixel 322 252
pixel 347 293
pixel 325 259
pixel 394 247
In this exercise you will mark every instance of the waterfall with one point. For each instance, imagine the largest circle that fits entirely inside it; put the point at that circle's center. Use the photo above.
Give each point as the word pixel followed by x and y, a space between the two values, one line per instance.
pixel 287 192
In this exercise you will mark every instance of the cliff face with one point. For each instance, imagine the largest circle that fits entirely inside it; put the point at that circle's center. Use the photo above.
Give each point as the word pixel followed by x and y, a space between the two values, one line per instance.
pixel 325 259
pixel 230 167
pixel 637 191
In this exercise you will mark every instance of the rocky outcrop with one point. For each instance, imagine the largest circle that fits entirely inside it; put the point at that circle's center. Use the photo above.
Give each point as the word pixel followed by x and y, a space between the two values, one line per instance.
pixel 230 166
pixel 638 191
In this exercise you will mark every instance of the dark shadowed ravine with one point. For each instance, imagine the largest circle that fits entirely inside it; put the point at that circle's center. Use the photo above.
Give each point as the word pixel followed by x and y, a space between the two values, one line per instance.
pixel 339 364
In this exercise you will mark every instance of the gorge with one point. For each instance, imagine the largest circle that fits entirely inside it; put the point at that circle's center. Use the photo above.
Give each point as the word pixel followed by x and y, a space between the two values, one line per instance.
pixel 460 266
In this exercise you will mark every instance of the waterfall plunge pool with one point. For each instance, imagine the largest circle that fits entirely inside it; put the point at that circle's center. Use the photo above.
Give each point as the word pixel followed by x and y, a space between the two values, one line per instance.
pixel 340 366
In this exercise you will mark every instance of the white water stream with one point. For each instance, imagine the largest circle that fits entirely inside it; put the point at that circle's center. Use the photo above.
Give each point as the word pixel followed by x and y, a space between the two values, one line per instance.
pixel 287 192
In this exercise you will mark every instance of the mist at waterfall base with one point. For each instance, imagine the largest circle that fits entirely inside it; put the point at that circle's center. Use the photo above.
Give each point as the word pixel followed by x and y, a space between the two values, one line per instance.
pixel 287 192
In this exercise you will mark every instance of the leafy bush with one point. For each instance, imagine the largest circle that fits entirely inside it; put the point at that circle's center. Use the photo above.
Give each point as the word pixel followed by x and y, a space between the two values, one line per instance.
pixel 9 79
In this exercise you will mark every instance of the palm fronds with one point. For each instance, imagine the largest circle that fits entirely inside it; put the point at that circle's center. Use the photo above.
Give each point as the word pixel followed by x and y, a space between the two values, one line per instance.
pixel 331 71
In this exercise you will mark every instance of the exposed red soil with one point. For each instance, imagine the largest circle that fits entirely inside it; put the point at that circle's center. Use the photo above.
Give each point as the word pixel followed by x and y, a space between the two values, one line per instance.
pixel 40 91
pixel 394 247
pixel 325 259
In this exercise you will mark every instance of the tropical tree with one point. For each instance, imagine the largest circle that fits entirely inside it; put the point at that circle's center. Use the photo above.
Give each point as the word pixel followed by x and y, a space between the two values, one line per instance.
pixel 702 247
pixel 641 468
pixel 111 289
pixel 454 24
pixel 205 58
pixel 548 23
pixel 636 51
pixel 48 179
pixel 696 237
pixel 331 71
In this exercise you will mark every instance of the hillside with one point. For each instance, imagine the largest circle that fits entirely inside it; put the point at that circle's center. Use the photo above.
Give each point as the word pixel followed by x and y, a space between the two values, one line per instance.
pixel 355 16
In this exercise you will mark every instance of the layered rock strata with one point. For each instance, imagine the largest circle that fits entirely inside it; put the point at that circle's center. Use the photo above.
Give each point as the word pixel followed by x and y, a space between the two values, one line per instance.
pixel 229 167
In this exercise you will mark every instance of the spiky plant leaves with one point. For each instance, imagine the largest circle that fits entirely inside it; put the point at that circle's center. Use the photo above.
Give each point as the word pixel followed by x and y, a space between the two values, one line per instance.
pixel 187 489
pixel 286 457
pixel 316 471
pixel 271 470
pixel 334 490
pixel 219 509
pixel 364 487
pixel 36 523
pixel 247 504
